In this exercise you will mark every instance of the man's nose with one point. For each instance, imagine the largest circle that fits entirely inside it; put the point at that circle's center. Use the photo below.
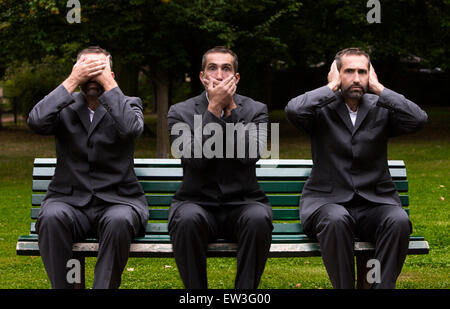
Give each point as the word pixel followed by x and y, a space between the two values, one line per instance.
pixel 356 78
pixel 219 75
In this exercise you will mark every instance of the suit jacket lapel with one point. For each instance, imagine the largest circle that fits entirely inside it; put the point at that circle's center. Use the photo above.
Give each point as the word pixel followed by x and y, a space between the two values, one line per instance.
pixel 342 111
pixel 363 109
pixel 100 112
pixel 201 104
pixel 238 100
pixel 80 107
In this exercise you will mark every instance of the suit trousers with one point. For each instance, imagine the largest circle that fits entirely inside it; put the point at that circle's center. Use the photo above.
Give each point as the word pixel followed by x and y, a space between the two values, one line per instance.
pixel 336 226
pixel 192 227
pixel 59 225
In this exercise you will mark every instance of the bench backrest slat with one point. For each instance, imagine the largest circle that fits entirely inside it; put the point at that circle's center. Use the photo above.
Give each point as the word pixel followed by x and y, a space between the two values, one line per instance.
pixel 154 200
pixel 163 173
pixel 170 186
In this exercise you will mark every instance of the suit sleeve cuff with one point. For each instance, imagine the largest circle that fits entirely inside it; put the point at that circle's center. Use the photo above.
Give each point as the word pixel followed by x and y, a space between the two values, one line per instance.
pixel 321 96
pixel 107 96
pixel 233 117
pixel 209 117
pixel 389 98
pixel 64 97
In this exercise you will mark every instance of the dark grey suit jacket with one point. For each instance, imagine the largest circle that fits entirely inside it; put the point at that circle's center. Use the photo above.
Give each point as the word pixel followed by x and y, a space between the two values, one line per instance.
pixel 214 181
pixel 93 159
pixel 351 159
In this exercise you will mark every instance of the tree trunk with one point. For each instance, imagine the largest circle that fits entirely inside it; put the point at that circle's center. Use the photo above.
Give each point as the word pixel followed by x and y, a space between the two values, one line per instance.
pixel 15 111
pixel 161 82
pixel 1 112
pixel 154 97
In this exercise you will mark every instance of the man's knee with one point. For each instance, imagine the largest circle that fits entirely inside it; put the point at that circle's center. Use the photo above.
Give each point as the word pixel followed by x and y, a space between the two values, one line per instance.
pixel 54 215
pixel 333 217
pixel 188 218
pixel 256 220
pixel 397 221
pixel 258 217
pixel 120 219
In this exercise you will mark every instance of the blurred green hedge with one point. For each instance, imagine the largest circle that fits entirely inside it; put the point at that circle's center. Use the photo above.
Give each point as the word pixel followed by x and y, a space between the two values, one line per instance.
pixel 25 84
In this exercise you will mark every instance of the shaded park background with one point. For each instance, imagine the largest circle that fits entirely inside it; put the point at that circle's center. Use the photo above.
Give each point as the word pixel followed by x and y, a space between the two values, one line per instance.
pixel 285 48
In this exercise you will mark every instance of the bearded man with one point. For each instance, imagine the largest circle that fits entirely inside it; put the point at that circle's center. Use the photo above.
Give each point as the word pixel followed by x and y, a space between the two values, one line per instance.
pixel 350 192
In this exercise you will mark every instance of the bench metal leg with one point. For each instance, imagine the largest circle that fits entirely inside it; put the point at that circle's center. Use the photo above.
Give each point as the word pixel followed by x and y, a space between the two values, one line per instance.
pixel 361 271
pixel 82 284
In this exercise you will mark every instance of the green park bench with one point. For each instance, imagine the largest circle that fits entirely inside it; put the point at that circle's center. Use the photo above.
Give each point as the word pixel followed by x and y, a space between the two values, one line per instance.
pixel 160 178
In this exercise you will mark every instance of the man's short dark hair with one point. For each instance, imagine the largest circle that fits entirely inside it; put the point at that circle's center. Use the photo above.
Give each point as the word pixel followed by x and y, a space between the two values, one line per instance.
pixel 224 50
pixel 95 50
pixel 350 51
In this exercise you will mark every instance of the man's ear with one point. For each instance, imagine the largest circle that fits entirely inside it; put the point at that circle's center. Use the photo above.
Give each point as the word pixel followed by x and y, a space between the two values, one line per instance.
pixel 201 76
pixel 238 77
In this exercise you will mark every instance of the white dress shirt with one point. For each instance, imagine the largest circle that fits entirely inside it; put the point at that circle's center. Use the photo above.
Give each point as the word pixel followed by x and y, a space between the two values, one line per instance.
pixel 352 114
pixel 91 113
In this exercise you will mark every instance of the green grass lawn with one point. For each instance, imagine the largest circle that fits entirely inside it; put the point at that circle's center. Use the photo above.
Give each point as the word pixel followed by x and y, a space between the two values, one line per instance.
pixel 426 154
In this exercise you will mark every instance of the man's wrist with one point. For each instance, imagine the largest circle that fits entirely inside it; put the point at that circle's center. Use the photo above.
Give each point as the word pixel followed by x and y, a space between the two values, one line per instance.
pixel 215 109
pixel 377 88
pixel 333 86
pixel 70 84
pixel 109 84
pixel 229 109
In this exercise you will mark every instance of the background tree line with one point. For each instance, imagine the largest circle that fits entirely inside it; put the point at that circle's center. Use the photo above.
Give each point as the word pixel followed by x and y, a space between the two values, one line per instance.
pixel 285 47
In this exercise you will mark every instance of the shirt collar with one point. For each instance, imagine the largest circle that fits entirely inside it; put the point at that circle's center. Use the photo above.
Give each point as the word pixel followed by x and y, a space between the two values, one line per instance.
pixel 350 111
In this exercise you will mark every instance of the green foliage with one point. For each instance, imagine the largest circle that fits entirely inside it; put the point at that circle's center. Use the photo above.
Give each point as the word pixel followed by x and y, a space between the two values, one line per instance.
pixel 279 42
pixel 162 31
pixel 26 84
pixel 172 33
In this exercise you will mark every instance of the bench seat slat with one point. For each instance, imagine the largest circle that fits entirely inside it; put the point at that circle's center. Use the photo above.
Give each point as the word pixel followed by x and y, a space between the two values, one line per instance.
pixel 218 249
pixel 148 238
